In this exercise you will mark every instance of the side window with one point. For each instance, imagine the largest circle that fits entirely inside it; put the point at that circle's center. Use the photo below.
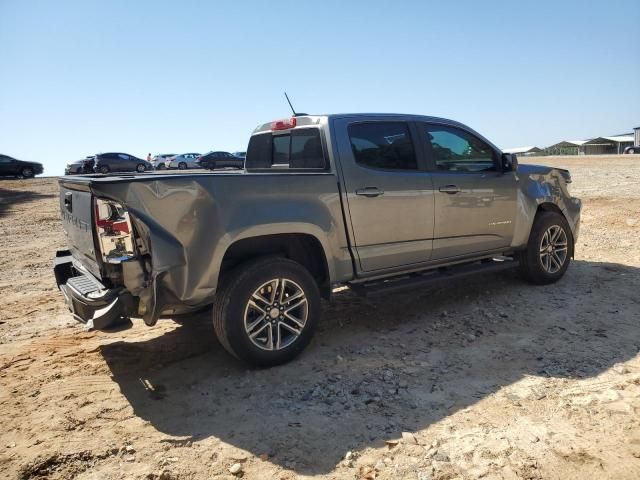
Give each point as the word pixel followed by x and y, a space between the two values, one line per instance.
pixel 455 150
pixel 384 145
pixel 123 156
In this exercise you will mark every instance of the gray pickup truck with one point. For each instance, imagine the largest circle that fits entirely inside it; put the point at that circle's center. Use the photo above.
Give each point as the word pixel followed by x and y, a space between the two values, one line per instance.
pixel 376 202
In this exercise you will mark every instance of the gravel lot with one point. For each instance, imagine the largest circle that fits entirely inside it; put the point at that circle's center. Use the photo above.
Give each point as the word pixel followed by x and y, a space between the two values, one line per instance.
pixel 482 378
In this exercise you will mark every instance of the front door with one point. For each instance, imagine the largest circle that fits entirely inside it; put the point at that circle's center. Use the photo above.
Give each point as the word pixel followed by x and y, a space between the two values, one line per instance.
pixel 475 202
pixel 389 195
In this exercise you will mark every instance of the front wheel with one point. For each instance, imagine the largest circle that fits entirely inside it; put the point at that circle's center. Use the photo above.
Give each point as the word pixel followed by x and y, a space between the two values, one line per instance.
pixel 549 250
pixel 140 168
pixel 104 169
pixel 27 172
pixel 266 311
pixel 182 166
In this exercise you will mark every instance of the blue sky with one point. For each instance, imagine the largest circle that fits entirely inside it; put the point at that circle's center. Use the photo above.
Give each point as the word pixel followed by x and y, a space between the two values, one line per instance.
pixel 80 77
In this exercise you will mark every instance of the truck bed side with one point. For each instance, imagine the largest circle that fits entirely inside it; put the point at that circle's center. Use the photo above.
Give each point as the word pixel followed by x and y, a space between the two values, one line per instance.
pixel 188 222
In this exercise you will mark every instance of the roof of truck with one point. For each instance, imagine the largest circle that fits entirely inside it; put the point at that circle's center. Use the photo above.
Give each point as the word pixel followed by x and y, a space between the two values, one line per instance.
pixel 314 119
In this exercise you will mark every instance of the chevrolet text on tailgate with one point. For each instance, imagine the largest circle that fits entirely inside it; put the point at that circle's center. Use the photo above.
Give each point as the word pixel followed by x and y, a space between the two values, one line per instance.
pixel 377 202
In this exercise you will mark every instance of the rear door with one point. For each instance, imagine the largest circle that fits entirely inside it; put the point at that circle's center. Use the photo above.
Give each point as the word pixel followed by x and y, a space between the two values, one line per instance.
pixel 475 202
pixel 389 194
pixel 125 162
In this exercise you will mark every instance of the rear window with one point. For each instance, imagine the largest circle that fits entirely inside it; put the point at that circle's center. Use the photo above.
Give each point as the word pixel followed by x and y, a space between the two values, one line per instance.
pixel 298 149
pixel 385 145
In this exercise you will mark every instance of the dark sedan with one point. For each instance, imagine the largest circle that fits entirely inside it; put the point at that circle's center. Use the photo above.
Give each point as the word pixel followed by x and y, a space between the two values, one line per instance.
pixel 80 166
pixel 213 160
pixel 632 150
pixel 120 162
pixel 11 167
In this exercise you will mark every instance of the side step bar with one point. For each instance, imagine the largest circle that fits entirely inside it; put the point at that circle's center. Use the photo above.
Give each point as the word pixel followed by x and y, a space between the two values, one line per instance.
pixel 420 279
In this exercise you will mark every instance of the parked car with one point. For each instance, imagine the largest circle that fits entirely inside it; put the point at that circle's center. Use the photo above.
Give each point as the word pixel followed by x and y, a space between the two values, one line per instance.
pixel 80 166
pixel 241 155
pixel 11 167
pixel 631 150
pixel 184 161
pixel 398 201
pixel 159 161
pixel 120 162
pixel 214 160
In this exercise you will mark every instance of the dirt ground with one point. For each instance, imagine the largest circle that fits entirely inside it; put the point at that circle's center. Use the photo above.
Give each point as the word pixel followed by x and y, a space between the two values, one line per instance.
pixel 482 378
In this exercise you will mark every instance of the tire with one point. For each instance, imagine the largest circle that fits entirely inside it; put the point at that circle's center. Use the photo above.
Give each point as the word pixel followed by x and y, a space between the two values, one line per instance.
pixel 233 311
pixel 104 169
pixel 160 166
pixel 140 168
pixel 543 262
pixel 182 166
pixel 27 172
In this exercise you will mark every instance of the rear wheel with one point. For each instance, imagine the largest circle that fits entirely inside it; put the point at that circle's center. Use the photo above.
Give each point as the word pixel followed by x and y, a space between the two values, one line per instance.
pixel 182 166
pixel 549 250
pixel 27 172
pixel 140 168
pixel 160 166
pixel 266 311
pixel 104 169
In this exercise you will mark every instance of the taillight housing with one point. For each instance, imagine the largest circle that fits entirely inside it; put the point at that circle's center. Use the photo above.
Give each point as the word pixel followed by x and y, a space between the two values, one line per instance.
pixel 114 231
pixel 285 124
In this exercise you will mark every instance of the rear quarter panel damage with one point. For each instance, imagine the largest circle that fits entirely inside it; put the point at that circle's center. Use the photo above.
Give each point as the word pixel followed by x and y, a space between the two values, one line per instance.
pixel 187 223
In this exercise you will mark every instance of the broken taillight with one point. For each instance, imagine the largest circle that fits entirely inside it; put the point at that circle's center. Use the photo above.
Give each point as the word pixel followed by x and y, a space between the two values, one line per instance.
pixel 113 228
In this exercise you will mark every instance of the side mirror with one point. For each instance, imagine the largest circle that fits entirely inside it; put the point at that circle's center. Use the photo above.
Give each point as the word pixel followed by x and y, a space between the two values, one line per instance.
pixel 509 162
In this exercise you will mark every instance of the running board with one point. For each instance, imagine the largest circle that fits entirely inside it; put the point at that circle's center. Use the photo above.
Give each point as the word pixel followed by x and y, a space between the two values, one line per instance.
pixel 420 279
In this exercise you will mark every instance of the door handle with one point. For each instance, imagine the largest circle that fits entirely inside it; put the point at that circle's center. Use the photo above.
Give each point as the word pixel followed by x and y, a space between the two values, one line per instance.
pixel 369 192
pixel 450 189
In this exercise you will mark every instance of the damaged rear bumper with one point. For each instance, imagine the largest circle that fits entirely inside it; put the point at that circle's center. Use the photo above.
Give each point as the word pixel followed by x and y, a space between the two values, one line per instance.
pixel 88 299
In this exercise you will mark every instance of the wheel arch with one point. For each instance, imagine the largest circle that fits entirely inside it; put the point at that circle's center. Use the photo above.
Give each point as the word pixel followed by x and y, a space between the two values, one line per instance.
pixel 552 207
pixel 303 248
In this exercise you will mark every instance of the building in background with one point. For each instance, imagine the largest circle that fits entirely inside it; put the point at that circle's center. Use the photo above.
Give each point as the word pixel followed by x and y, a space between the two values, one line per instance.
pixel 607 145
pixel 566 147
pixel 613 145
pixel 526 151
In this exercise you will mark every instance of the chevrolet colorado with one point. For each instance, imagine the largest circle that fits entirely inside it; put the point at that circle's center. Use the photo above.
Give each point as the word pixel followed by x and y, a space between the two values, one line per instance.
pixel 376 202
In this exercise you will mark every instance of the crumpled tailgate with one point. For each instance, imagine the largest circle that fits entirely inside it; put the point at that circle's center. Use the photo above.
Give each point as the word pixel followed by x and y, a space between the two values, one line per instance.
pixel 76 208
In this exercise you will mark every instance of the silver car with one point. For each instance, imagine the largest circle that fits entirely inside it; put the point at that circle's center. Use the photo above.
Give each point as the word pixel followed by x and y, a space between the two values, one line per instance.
pixel 184 161
pixel 160 160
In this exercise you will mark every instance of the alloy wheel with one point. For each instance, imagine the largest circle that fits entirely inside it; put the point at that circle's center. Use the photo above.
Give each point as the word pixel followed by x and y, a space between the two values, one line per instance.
pixel 553 249
pixel 276 314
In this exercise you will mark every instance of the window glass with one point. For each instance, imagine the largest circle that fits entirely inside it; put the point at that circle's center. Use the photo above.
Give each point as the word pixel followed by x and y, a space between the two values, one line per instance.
pixel 280 150
pixel 300 148
pixel 123 156
pixel 306 149
pixel 383 145
pixel 455 150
